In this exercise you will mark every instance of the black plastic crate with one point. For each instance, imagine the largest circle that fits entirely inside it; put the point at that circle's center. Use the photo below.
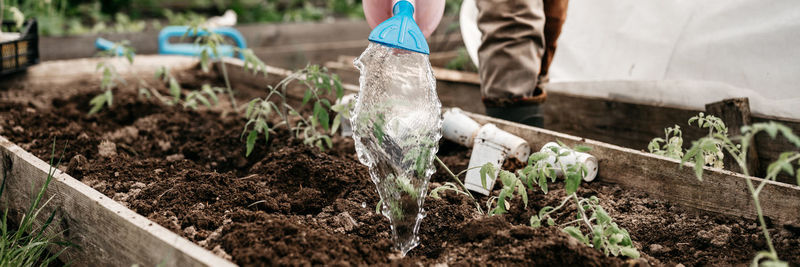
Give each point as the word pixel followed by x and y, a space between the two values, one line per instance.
pixel 19 54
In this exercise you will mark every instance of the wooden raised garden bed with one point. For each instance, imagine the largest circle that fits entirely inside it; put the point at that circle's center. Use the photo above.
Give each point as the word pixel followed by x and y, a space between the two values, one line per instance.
pixel 199 200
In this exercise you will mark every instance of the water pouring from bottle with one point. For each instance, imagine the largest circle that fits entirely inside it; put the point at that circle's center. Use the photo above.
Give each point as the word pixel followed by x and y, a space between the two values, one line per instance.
pixel 397 121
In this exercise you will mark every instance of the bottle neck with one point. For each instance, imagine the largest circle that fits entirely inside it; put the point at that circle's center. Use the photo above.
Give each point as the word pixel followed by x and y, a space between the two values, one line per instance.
pixel 394 2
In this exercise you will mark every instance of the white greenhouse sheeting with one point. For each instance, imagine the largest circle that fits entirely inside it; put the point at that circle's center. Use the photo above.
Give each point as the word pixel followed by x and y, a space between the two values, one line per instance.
pixel 683 53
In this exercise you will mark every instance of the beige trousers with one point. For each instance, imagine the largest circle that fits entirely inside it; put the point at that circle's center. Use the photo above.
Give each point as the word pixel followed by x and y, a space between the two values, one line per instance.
pixel 519 41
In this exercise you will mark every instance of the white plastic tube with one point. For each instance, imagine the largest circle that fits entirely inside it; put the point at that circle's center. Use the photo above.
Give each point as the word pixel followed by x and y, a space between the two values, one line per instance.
pixel 458 127
pixel 493 145
pixel 572 158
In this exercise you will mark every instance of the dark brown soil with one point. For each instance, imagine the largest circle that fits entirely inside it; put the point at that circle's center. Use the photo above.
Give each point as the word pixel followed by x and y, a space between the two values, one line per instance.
pixel 288 204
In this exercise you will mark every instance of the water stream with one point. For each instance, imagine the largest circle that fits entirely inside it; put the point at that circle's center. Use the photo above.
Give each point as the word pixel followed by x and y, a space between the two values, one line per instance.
pixel 396 127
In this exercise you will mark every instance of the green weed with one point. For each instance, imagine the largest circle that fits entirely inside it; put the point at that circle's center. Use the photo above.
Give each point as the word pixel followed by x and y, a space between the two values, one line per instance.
pixel 109 76
pixel 27 244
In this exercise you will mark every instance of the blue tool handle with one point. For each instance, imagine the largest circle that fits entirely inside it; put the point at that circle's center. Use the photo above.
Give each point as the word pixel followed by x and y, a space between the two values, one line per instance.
pixel 105 45
pixel 180 31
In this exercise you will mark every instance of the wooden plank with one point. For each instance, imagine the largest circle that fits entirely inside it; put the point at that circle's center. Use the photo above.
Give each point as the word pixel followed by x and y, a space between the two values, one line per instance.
pixel 721 191
pixel 735 113
pixel 106 233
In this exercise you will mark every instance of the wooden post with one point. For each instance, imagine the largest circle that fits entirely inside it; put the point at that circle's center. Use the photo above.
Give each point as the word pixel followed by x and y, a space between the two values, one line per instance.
pixel 735 113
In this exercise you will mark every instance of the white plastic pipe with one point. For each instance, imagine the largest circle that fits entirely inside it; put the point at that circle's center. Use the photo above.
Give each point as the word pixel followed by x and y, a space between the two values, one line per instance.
pixel 493 145
pixel 459 128
pixel 572 158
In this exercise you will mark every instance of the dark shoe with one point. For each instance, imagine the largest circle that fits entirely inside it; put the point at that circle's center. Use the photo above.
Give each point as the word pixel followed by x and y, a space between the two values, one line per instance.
pixel 529 114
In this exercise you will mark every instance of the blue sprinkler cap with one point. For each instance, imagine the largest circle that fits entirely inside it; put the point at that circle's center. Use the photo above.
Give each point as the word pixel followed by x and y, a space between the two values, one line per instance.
pixel 401 31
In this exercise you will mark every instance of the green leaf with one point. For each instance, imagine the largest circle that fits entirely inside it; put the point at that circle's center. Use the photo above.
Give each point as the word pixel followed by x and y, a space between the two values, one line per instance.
pixel 501 202
pixel 582 148
pixel 576 233
pixel 629 252
pixel 160 72
pixel 174 90
pixel 507 178
pixel 798 176
pixel 203 100
pixel 597 236
pixel 306 97
pixel 435 192
pixel 325 103
pixel 251 142
pixel 772 131
pixel 615 238
pixel 97 103
pixel 486 169
pixel 250 107
pixel 337 84
pixel 544 211
pixel 328 141
pixel 543 182
pixel 535 157
pixel 572 183
pixel 602 216
pixel 211 93
pixel 109 98
pixel 322 116
pixel 699 162
pixel 129 56
pixel 521 191
pixel 336 121
pixel 551 222
pixel 535 221
pixel 789 135
pixel 561 143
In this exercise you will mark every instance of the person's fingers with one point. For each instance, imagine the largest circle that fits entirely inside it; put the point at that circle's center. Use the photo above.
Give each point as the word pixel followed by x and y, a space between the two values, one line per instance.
pixel 428 14
pixel 377 11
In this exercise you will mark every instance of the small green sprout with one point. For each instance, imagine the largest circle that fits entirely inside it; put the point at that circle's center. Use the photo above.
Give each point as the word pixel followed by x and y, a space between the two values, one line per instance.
pixel 718 140
pixel 602 233
pixel 708 151
pixel 314 129
pixel 672 145
pixel 110 77
pixel 212 42
pixel 206 95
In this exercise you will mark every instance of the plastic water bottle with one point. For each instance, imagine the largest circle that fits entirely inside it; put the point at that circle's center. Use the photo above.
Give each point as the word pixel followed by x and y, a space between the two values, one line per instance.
pixel 396 127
